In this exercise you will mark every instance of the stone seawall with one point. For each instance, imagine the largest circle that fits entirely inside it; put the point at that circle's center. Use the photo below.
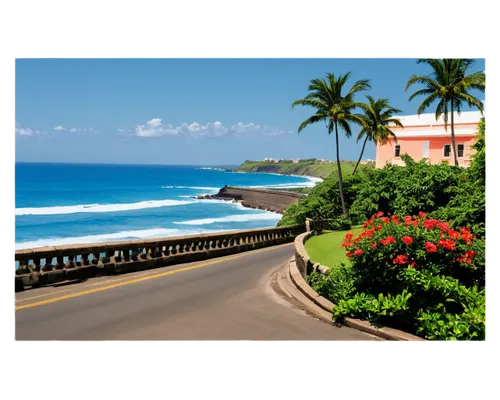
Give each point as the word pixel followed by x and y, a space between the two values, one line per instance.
pixel 262 199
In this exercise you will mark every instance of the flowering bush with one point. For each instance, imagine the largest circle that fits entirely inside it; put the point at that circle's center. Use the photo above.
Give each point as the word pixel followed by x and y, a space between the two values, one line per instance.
pixel 439 268
pixel 389 245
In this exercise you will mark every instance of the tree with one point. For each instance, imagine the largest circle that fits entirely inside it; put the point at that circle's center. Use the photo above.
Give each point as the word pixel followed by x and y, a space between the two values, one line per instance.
pixel 449 84
pixel 379 115
pixel 333 108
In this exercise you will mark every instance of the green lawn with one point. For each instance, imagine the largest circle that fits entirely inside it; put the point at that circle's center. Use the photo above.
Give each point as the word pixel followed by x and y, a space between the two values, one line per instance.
pixel 325 248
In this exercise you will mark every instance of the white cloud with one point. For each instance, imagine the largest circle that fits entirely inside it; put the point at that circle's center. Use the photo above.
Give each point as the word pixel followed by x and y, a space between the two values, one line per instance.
pixel 156 127
pixel 26 131
pixel 73 130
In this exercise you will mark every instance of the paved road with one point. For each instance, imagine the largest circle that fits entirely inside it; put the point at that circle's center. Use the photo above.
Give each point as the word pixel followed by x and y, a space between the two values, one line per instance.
pixel 227 298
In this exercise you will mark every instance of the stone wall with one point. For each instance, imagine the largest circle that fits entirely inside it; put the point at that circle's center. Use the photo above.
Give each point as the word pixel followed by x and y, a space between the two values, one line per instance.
pixel 49 265
pixel 262 199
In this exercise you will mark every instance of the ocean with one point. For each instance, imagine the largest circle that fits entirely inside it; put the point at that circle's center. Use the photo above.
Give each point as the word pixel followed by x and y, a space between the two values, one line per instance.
pixel 60 204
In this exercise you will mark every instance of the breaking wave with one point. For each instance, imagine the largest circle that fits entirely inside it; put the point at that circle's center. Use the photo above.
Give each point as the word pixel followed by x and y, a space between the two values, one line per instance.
pixel 267 216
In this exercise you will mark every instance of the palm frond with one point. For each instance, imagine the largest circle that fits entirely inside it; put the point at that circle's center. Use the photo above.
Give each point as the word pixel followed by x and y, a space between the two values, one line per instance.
pixel 311 120
pixel 310 103
pixel 345 127
pixel 423 80
pixel 427 102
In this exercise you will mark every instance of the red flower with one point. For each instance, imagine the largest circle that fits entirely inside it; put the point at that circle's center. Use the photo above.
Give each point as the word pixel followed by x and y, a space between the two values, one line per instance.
pixel 373 245
pixel 387 240
pixel 347 244
pixel 407 240
pixel 470 253
pixel 379 214
pixel 385 220
pixel 422 214
pixel 401 259
pixel 395 219
pixel 430 247
pixel 369 233
pixel 453 234
pixel 447 244
pixel 467 257
pixel 466 236
pixel 444 226
pixel 348 254
pixel 430 223
pixel 408 220
pixel 358 252
pixel 414 265
pixel 348 236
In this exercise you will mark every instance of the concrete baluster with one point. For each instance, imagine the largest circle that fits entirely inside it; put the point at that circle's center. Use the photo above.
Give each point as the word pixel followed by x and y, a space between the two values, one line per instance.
pixel 60 262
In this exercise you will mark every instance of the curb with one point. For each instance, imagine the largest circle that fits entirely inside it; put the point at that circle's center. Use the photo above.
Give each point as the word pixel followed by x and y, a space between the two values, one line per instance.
pixel 365 326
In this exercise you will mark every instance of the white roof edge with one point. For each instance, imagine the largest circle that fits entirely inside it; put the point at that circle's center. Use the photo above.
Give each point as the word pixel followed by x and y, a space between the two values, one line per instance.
pixel 465 117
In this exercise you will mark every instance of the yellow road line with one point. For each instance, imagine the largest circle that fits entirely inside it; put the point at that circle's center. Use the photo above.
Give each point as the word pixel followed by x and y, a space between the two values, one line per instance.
pixel 146 278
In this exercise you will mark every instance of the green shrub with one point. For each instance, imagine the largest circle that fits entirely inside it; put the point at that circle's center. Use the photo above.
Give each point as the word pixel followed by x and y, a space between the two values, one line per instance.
pixel 323 202
pixel 437 271
pixel 336 285
pixel 477 170
pixel 375 309
pixel 339 223
pixel 418 186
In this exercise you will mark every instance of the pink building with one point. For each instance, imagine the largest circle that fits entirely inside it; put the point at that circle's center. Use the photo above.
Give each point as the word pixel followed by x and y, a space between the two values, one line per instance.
pixel 424 137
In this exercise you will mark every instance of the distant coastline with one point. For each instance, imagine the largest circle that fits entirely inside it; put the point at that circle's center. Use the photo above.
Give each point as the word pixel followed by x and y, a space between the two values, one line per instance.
pixel 305 168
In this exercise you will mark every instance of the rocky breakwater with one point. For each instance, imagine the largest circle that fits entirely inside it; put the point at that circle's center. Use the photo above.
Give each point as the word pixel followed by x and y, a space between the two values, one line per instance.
pixel 262 199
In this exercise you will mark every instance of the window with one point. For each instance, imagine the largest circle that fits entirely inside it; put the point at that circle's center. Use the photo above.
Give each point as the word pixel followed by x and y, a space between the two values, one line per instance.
pixel 397 150
pixel 460 150
pixel 447 150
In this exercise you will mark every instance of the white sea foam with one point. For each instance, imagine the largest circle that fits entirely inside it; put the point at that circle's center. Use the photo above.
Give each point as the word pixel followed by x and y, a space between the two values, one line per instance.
pixel 268 216
pixel 99 208
pixel 125 235
pixel 190 187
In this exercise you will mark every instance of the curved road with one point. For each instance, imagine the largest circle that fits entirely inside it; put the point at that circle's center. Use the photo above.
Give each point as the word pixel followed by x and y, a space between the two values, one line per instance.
pixel 227 298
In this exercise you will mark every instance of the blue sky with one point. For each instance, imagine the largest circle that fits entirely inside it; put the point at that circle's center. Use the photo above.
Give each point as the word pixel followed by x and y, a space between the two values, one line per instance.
pixel 186 111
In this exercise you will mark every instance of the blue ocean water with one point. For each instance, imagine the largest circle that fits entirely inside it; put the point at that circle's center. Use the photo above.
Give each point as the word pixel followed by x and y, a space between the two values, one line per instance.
pixel 86 203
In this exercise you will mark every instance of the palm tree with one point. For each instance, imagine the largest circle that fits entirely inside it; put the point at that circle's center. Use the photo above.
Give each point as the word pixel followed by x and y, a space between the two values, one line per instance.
pixel 379 115
pixel 325 95
pixel 450 84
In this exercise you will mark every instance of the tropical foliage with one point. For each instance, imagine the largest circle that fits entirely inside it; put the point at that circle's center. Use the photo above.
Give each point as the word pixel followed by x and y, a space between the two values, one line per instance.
pixel 334 109
pixel 450 85
pixel 377 121
pixel 413 273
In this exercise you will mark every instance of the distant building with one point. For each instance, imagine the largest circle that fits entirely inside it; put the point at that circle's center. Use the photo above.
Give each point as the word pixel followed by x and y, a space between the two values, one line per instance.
pixel 424 137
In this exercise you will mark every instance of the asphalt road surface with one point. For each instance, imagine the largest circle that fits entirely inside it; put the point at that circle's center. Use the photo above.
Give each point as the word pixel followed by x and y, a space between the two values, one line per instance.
pixel 227 298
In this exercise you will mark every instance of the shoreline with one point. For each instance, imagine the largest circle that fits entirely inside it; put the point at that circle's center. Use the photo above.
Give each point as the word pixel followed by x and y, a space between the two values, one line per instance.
pixel 158 232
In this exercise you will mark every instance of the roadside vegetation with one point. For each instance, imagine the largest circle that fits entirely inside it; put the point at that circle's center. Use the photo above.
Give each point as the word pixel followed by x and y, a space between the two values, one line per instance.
pixel 418 263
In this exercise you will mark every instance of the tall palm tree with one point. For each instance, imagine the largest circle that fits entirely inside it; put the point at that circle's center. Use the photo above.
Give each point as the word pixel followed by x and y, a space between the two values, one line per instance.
pixel 379 115
pixel 450 84
pixel 333 108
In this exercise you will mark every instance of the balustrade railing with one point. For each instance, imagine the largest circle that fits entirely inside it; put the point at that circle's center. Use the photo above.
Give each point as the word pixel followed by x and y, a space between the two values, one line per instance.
pixel 48 265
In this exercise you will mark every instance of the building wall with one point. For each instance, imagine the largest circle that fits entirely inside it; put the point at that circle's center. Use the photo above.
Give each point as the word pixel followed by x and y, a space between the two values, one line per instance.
pixel 414 147
pixel 421 129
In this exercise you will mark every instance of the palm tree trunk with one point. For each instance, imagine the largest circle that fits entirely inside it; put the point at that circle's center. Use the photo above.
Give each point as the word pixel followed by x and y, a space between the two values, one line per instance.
pixel 453 134
pixel 339 171
pixel 361 155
